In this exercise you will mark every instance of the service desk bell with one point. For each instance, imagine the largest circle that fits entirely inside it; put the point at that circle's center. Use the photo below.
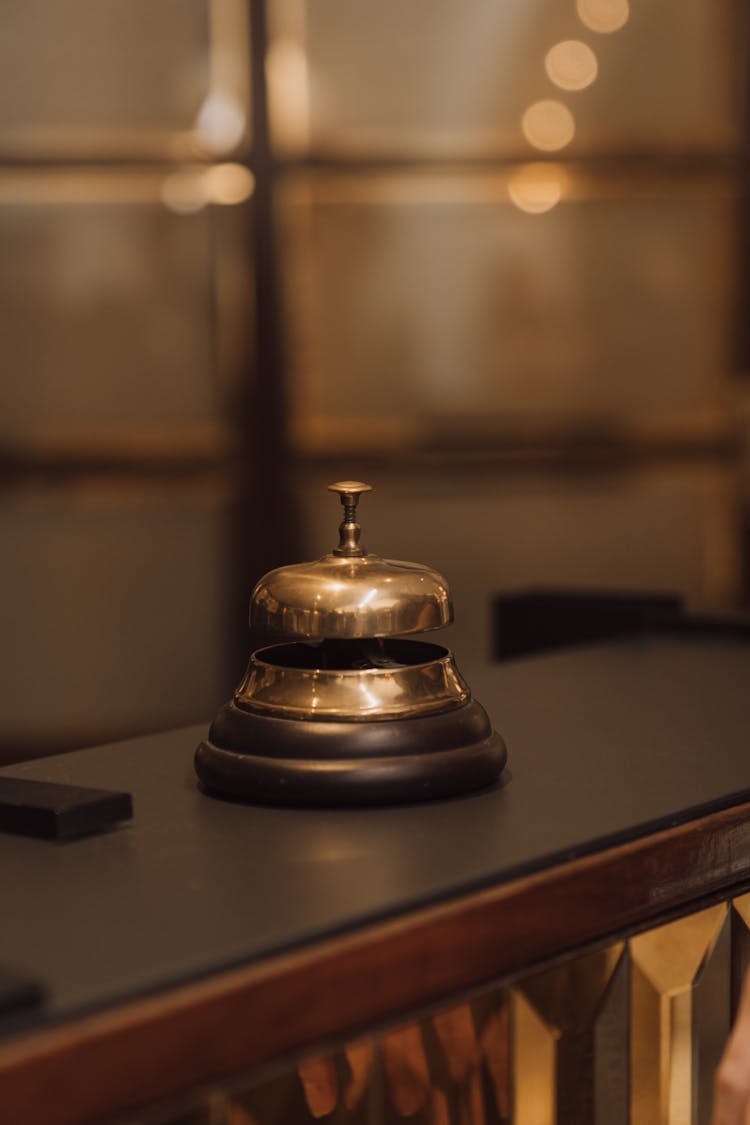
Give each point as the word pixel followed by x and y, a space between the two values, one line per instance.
pixel 350 713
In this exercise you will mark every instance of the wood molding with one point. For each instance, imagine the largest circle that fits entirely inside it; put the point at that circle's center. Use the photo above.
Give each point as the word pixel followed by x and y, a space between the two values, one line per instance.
pixel 236 1021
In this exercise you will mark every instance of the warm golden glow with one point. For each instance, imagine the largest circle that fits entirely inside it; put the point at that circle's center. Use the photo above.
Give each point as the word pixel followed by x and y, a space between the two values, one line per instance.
pixel 603 15
pixel 571 65
pixel 548 125
pixel 533 1064
pixel 183 192
pixel 536 188
pixel 228 183
pixel 289 94
pixel 187 191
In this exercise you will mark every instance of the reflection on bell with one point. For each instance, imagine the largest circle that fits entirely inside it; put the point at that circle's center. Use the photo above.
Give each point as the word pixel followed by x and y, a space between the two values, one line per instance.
pixel 349 712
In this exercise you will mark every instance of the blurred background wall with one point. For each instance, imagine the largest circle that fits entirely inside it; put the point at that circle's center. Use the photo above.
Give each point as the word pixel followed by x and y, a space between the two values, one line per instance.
pixel 488 255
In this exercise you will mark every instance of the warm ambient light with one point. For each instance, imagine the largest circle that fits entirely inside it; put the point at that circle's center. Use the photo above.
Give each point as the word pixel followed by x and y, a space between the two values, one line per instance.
pixel 536 188
pixel 228 183
pixel 188 191
pixel 220 124
pixel 289 93
pixel 603 15
pixel 548 125
pixel 571 65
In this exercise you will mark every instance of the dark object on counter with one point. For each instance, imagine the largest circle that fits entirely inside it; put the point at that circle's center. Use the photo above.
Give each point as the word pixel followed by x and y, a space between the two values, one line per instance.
pixel 541 620
pixel 18 992
pixel 54 811
pixel 350 712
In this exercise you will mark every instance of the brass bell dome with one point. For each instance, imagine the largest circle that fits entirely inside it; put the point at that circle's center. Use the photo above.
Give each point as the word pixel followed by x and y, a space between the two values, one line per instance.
pixel 349 711
pixel 349 592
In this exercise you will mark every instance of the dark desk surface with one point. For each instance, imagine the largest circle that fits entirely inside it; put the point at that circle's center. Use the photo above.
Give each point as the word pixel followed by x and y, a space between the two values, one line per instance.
pixel 605 744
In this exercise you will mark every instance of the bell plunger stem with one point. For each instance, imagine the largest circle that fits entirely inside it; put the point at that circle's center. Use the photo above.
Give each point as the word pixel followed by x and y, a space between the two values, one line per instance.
pixel 349 492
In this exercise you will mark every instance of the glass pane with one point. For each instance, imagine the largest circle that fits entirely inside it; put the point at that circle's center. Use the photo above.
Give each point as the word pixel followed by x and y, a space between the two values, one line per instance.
pixel 109 312
pixel 439 78
pixel 114 599
pixel 440 306
pixel 123 76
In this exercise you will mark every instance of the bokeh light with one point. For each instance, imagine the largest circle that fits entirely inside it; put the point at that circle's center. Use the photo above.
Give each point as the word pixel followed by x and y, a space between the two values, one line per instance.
pixel 536 188
pixel 220 124
pixel 182 192
pixel 289 93
pixel 548 125
pixel 228 183
pixel 187 191
pixel 603 15
pixel 571 65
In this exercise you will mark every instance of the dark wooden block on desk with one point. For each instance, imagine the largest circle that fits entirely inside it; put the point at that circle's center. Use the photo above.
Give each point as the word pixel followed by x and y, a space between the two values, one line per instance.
pixel 57 811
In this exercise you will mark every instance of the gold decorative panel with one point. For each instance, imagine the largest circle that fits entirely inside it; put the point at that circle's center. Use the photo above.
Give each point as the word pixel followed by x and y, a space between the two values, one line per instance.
pixel 740 923
pixel 570 1042
pixel 679 1017
pixel 534 1057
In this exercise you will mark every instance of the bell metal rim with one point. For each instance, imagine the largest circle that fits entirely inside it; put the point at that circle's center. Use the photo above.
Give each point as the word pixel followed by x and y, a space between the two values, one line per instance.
pixel 373 694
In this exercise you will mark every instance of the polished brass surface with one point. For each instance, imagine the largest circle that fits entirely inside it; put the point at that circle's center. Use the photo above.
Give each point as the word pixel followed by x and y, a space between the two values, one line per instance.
pixel 349 491
pixel 350 593
pixel 272 686
pixel 351 597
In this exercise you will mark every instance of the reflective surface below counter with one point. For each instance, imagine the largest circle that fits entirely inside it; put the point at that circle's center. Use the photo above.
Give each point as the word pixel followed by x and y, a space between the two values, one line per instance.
pixel 625 1034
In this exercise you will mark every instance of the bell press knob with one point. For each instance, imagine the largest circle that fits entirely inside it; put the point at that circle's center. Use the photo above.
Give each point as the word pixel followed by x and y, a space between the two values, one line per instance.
pixel 349 492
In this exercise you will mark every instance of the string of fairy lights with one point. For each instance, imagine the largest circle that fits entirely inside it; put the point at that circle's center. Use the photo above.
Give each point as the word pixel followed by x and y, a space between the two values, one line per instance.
pixel 548 124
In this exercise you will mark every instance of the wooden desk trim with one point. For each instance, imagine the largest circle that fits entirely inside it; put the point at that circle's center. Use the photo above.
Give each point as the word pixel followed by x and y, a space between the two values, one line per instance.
pixel 235 1021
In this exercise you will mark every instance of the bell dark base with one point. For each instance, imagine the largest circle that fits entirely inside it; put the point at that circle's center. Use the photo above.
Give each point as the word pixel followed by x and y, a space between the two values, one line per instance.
pixel 275 761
